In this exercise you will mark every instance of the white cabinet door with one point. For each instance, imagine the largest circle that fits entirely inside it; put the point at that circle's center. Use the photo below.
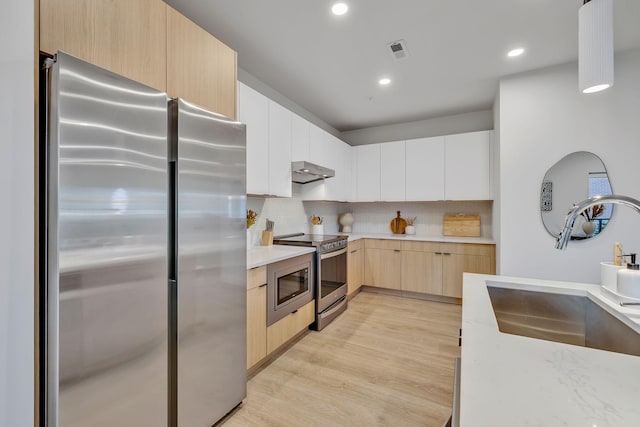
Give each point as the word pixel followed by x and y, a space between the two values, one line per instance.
pixel 468 166
pixel 299 138
pixel 425 169
pixel 279 150
pixel 253 109
pixel 368 173
pixel 392 171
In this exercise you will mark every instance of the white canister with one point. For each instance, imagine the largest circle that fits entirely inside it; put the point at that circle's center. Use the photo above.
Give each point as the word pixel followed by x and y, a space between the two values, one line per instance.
pixel 629 282
pixel 410 229
pixel 317 229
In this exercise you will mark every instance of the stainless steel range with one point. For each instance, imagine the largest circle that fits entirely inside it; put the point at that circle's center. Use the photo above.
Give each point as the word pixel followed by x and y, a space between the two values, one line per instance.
pixel 330 273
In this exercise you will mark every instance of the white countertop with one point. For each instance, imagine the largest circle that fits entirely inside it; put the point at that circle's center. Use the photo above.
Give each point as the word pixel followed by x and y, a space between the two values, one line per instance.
pixel 263 255
pixel 510 380
pixel 419 238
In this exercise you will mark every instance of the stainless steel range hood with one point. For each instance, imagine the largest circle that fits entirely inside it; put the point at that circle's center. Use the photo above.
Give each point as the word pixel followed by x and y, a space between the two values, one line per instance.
pixel 304 172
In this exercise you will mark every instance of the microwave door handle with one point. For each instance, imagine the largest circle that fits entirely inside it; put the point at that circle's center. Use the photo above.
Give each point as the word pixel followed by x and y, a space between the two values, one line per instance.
pixel 332 254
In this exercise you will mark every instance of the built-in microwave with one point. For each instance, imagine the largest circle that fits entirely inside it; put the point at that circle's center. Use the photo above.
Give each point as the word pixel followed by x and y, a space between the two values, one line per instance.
pixel 290 286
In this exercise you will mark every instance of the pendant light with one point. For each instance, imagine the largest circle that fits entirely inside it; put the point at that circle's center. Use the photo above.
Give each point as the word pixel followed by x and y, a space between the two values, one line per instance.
pixel 595 40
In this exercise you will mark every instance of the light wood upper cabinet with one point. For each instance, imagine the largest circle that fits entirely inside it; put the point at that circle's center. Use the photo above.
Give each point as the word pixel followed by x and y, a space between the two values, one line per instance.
pixel 392 171
pixel 200 68
pixel 468 166
pixel 127 37
pixel 425 168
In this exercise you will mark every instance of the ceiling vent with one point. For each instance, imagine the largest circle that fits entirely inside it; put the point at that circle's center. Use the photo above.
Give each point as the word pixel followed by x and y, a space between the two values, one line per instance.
pixel 399 49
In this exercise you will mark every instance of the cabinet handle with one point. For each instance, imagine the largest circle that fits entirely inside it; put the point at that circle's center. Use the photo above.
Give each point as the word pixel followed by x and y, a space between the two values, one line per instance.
pixel 438 253
pixel 354 251
pixel 294 311
pixel 262 286
pixel 396 250
pixel 446 253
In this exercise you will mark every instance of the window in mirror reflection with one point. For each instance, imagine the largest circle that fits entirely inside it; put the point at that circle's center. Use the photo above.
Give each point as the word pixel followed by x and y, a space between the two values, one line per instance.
pixel 599 185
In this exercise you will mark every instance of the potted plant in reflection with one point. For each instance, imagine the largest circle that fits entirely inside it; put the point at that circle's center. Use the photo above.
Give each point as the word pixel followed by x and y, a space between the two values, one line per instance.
pixel 589 214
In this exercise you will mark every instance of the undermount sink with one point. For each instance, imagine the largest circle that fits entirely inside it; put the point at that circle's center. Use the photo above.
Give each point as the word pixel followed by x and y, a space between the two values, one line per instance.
pixel 568 319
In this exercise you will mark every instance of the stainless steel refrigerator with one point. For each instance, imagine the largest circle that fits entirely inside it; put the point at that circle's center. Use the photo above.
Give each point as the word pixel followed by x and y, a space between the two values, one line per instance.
pixel 144 262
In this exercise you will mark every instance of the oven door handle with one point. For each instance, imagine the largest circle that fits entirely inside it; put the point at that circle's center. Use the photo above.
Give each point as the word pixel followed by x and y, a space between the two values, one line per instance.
pixel 332 254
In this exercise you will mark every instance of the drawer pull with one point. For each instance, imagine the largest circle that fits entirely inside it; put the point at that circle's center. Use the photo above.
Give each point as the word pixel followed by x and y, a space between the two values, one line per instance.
pixel 446 253
pixel 262 286
pixel 354 251
pixel 396 250
pixel 438 253
pixel 294 311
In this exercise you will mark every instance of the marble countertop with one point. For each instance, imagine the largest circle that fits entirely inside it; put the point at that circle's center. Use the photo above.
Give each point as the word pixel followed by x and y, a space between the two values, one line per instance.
pixel 419 238
pixel 262 255
pixel 510 380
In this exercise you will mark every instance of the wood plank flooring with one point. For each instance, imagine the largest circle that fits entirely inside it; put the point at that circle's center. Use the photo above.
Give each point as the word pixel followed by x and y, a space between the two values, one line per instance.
pixel 386 361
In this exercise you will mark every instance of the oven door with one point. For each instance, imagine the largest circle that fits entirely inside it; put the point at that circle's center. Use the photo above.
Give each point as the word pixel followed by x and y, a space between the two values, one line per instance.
pixel 332 278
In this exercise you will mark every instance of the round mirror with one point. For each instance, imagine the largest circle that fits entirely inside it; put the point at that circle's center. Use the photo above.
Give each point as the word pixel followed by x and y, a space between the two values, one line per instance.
pixel 574 178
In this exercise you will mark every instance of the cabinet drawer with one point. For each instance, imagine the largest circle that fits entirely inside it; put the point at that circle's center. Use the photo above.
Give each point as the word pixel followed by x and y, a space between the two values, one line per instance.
pixel 285 329
pixel 468 249
pixel 355 246
pixel 422 246
pixel 256 277
pixel 382 244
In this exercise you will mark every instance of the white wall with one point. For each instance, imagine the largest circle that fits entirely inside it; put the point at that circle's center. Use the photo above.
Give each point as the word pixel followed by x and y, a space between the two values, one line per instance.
pixel 17 213
pixel 542 118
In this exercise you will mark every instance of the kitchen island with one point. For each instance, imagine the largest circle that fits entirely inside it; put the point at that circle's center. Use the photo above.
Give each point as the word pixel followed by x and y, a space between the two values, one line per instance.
pixel 511 380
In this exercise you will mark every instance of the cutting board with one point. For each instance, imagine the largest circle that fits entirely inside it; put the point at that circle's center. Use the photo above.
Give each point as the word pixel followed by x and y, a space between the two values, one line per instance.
pixel 398 224
pixel 461 225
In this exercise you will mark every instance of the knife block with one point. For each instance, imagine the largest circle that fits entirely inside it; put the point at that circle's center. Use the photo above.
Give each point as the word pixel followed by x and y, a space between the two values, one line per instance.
pixel 267 238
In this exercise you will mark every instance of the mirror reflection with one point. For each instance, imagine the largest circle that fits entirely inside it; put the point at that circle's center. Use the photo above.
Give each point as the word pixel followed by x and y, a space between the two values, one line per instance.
pixel 575 177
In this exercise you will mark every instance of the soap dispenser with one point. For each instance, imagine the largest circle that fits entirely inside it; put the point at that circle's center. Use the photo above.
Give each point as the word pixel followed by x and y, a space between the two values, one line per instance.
pixel 629 278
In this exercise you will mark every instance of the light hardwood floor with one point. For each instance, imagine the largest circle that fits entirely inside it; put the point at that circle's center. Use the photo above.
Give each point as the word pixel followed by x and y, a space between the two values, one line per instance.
pixel 386 361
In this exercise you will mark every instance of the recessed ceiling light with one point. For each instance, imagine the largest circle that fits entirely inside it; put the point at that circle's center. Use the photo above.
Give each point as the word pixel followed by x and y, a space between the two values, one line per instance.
pixel 339 8
pixel 515 52
pixel 384 81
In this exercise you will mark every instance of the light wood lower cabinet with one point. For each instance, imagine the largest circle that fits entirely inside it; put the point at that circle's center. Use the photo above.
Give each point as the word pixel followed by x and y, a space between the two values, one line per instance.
pixel 263 340
pixel 256 315
pixel 383 263
pixel 285 329
pixel 425 267
pixel 454 265
pixel 421 272
pixel 355 266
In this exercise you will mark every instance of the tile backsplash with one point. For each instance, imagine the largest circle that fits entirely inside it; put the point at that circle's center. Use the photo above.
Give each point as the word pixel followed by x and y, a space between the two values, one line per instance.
pixel 291 215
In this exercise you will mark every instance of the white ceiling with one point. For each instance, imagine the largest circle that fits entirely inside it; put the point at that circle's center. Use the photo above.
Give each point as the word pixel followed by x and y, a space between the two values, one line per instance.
pixel 330 65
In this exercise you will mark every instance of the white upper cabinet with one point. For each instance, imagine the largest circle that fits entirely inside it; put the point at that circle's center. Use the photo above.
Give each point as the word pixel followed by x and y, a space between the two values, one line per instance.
pixel 392 171
pixel 468 166
pixel 329 151
pixel 253 110
pixel 425 168
pixel 367 173
pixel 299 138
pixel 279 150
pixel 269 133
